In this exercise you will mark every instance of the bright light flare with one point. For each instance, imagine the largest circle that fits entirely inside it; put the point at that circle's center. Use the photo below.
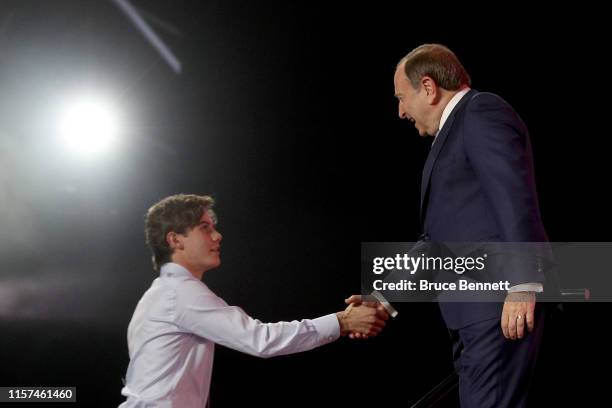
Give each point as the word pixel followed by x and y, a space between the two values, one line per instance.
pixel 88 126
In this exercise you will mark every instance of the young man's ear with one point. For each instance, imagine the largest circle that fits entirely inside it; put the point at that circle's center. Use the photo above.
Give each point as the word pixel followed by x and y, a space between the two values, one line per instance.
pixel 174 241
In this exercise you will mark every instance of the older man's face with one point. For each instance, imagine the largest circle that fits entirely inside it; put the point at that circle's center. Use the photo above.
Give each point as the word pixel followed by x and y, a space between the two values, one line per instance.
pixel 412 102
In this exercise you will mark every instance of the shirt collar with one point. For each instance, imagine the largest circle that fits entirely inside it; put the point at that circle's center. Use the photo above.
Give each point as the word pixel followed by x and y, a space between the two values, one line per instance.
pixel 450 106
pixel 172 269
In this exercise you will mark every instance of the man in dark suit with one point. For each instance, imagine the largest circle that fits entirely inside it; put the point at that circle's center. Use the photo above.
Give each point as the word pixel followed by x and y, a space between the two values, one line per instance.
pixel 478 186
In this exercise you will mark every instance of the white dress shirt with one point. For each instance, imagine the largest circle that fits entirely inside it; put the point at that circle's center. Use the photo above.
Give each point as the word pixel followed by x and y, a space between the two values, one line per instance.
pixel 173 331
pixel 449 108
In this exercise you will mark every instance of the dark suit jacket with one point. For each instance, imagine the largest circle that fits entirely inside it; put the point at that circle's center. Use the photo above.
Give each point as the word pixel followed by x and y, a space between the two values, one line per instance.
pixel 478 185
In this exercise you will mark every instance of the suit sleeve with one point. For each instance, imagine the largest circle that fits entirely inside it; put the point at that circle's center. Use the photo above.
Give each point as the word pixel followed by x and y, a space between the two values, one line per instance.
pixel 497 146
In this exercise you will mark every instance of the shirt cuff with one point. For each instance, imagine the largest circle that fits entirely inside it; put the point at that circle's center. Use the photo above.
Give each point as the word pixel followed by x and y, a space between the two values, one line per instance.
pixel 328 327
pixel 390 309
pixel 527 287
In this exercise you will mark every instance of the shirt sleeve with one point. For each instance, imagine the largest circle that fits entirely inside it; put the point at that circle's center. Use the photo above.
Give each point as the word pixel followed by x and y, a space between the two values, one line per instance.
pixel 206 315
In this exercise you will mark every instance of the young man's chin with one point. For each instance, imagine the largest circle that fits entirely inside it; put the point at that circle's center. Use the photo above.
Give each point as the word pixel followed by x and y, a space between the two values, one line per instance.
pixel 213 264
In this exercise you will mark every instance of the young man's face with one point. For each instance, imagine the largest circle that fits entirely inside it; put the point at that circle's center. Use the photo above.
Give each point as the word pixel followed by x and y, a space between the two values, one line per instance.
pixel 201 246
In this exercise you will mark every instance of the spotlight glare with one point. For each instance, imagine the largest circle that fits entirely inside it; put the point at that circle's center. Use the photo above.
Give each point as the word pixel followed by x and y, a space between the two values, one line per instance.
pixel 88 127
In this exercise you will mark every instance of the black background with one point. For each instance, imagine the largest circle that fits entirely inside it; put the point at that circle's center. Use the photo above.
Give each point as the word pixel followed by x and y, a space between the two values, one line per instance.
pixel 285 113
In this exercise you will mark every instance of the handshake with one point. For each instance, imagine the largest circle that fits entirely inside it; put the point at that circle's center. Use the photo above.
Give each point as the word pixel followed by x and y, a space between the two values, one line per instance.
pixel 362 319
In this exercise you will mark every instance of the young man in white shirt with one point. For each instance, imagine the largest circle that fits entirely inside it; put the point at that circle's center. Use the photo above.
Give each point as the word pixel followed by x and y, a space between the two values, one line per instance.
pixel 177 322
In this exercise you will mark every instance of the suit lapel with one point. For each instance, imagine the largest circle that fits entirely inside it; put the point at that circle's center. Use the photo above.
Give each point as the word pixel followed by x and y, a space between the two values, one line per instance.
pixel 437 147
